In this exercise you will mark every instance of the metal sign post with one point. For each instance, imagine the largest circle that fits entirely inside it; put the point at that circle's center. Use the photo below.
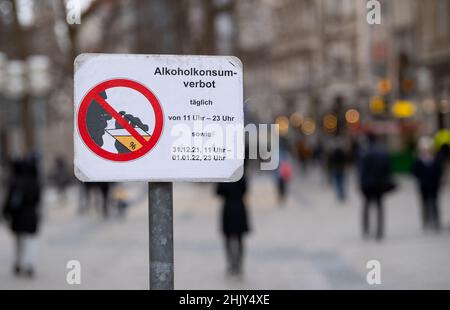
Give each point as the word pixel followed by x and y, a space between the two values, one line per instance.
pixel 137 115
pixel 160 215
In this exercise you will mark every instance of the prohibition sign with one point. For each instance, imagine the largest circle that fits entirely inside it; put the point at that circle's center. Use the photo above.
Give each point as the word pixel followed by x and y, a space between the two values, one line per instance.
pixel 94 94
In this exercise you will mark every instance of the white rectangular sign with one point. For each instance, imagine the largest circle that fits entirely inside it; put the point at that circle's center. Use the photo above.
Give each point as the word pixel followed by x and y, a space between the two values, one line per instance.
pixel 158 118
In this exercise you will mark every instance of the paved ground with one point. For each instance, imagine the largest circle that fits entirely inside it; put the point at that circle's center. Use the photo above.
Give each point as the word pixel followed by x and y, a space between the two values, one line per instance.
pixel 313 243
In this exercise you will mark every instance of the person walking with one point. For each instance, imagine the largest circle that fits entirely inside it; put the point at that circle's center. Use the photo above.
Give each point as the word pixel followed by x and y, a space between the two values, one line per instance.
pixel 104 189
pixel 61 178
pixel 21 210
pixel 375 178
pixel 234 222
pixel 283 175
pixel 121 199
pixel 428 171
pixel 338 163
pixel 85 196
pixel 98 190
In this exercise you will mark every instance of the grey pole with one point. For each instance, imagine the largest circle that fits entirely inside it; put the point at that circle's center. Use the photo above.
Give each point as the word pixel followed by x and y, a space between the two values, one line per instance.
pixel 160 214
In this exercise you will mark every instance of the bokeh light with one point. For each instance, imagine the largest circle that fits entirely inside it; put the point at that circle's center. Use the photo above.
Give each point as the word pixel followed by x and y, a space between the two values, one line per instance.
pixel 404 109
pixel 309 126
pixel 283 123
pixel 296 119
pixel 352 116
pixel 429 106
pixel 384 86
pixel 330 123
pixel 377 105
pixel 445 106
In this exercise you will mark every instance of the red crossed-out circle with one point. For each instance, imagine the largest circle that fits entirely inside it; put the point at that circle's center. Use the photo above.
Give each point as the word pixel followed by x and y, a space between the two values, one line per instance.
pixel 94 94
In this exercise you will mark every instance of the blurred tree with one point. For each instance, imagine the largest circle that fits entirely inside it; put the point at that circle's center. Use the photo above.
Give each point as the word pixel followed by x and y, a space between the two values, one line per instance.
pixel 20 40
pixel 126 26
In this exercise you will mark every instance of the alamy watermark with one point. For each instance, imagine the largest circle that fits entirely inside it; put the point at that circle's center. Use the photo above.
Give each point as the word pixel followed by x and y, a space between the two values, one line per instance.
pixel 214 142
pixel 73 277
pixel 73 12
pixel 374 274
pixel 374 12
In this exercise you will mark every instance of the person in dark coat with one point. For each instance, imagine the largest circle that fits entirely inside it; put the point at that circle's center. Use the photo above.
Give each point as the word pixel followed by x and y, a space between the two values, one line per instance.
pixel 21 210
pixel 375 177
pixel 428 171
pixel 234 222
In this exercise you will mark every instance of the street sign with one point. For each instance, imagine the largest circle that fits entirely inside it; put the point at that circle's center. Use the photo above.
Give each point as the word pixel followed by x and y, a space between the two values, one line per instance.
pixel 158 118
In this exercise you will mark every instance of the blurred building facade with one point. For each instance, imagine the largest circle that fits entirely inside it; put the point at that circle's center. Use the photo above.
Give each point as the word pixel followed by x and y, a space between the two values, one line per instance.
pixel 304 56
pixel 433 47
pixel 44 124
pixel 319 57
pixel 311 58
pixel 253 45
pixel 295 52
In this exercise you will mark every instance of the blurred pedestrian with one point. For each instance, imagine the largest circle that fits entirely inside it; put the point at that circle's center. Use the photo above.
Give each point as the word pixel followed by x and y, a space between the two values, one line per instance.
pixel 85 196
pixel 100 190
pixel 21 210
pixel 442 143
pixel 375 176
pixel 443 154
pixel 284 176
pixel 121 199
pixel 338 162
pixel 61 177
pixel 234 222
pixel 428 171
pixel 318 153
pixel 104 188
pixel 304 154
pixel 355 150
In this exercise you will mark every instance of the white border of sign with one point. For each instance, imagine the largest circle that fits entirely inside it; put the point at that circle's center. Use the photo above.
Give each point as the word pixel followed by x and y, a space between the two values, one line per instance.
pixel 86 160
